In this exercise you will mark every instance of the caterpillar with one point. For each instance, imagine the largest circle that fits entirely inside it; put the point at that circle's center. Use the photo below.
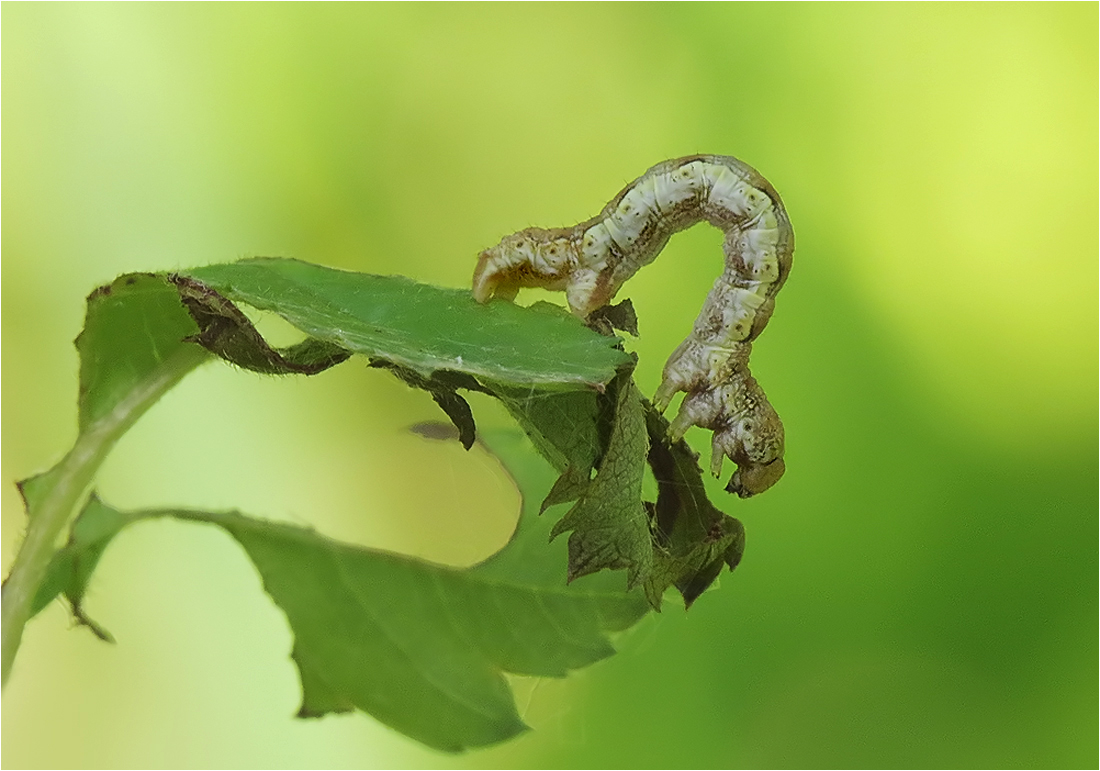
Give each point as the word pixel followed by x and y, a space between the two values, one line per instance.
pixel 591 261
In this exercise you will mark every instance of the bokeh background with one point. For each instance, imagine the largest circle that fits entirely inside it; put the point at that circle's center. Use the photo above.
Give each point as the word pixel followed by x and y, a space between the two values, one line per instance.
pixel 919 591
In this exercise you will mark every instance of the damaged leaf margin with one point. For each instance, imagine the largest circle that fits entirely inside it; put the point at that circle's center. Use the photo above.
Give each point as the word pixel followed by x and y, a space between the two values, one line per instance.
pixel 144 332
pixel 427 655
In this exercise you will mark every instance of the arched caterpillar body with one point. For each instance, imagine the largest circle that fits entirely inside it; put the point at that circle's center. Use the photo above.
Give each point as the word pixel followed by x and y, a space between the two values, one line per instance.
pixel 592 260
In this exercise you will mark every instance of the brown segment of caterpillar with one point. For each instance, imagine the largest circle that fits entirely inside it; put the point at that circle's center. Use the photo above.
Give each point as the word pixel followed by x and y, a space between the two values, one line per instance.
pixel 592 260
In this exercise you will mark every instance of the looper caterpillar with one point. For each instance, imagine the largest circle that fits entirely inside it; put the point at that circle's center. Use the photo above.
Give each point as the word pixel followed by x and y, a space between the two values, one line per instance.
pixel 592 260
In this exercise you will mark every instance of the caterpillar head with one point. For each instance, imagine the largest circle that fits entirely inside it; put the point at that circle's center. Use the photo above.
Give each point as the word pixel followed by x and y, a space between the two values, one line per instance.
pixel 753 478
pixel 528 258
pixel 754 440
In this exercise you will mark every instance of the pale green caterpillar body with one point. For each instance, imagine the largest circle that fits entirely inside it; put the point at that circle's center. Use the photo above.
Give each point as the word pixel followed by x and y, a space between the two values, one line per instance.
pixel 592 260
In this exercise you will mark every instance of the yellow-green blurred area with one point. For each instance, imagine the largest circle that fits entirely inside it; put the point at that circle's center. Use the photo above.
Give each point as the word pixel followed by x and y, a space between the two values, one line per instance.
pixel 920 590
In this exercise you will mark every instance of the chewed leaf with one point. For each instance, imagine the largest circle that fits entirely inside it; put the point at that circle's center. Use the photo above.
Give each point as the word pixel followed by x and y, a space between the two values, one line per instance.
pixel 420 646
pixel 610 524
pixel 566 428
pixel 71 568
pixel 682 540
pixel 227 332
pixel 133 325
pixel 693 539
pixel 420 327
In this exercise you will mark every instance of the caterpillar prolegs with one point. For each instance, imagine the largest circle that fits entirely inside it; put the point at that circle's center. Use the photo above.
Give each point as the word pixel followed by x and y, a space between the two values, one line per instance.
pixel 592 260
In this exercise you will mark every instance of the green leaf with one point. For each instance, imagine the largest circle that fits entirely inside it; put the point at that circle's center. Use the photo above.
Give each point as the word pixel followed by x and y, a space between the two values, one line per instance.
pixel 139 340
pixel 694 540
pixel 225 331
pixel 688 539
pixel 133 349
pixel 132 326
pixel 423 647
pixel 420 646
pixel 530 553
pixel 611 528
pixel 420 327
pixel 568 429
pixel 71 568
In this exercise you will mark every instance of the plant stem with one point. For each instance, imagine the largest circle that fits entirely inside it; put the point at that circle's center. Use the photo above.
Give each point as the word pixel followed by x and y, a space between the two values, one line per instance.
pixel 66 486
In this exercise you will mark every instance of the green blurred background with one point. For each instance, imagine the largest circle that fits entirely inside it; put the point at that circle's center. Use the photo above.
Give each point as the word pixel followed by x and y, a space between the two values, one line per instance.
pixel 920 590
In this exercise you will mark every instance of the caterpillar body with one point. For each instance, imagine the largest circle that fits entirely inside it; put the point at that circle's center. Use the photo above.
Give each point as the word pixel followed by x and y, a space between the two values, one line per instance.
pixel 592 260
